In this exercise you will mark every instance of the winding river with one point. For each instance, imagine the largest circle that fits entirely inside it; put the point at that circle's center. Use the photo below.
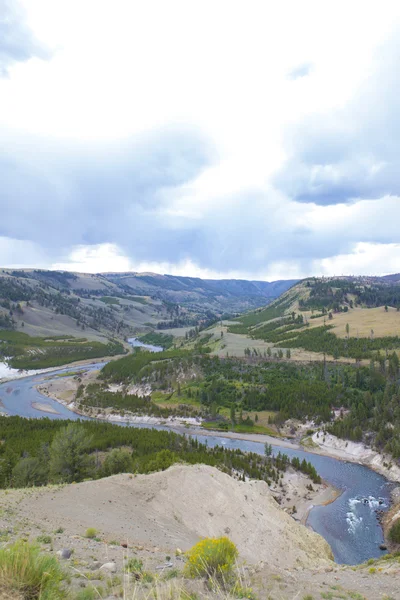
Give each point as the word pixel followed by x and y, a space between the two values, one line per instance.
pixel 349 523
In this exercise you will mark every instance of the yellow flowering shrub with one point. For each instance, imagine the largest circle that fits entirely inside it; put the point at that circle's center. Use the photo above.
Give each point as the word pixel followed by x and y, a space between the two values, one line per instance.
pixel 212 557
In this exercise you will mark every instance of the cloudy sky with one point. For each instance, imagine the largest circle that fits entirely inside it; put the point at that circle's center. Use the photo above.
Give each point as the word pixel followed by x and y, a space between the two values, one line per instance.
pixel 212 138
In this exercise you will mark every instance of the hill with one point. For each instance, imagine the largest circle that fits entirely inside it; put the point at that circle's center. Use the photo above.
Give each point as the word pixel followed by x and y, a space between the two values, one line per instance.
pixel 342 317
pixel 149 520
pixel 175 508
pixel 221 295
pixel 84 310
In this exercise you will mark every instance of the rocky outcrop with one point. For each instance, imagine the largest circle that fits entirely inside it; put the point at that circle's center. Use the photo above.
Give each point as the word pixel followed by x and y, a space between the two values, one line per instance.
pixel 357 452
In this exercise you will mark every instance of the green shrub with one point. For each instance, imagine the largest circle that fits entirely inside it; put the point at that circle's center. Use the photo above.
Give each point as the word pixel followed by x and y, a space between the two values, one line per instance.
pixel 394 533
pixel 171 574
pixel 212 557
pixel 24 570
pixel 134 565
pixel 91 533
pixel 242 591
pixel 147 577
pixel 43 539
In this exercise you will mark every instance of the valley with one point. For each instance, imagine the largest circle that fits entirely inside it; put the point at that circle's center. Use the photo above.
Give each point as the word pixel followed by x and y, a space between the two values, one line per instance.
pixel 260 395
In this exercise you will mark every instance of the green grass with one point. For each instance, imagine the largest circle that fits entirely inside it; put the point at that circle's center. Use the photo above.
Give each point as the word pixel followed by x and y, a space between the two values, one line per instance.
pixel 24 570
pixel 29 352
pixel 321 339
pixel 109 300
pixel 239 428
pixel 272 311
pixel 43 539
pixel 67 374
pixel 163 399
pixel 138 299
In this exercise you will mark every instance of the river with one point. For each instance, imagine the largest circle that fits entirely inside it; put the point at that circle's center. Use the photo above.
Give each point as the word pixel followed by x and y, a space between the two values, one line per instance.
pixel 349 523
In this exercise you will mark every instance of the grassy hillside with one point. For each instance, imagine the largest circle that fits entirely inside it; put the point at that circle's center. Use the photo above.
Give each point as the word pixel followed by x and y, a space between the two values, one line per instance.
pixel 221 296
pixel 28 352
pixel 48 303
pixel 340 317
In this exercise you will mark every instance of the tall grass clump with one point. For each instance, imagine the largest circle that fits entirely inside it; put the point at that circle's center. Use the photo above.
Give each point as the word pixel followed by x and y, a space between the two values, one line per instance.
pixel 212 558
pixel 394 533
pixel 26 573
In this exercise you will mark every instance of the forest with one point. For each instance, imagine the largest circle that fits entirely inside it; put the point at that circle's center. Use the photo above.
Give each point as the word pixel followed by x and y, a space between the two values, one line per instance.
pixel 39 451
pixel 233 386
pixel 320 339
pixel 335 294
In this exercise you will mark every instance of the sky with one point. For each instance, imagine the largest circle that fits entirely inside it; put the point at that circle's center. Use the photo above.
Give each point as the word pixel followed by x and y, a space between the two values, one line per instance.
pixel 219 139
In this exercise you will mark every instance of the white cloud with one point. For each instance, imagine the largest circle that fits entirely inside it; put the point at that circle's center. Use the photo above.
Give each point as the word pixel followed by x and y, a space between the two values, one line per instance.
pixel 17 254
pixel 366 259
pixel 95 259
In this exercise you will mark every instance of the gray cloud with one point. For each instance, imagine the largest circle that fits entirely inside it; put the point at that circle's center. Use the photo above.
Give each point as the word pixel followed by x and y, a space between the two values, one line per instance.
pixel 63 196
pixel 353 152
pixel 17 42
pixel 57 195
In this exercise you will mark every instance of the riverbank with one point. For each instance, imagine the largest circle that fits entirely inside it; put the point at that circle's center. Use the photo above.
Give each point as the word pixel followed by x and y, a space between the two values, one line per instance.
pixel 294 493
pixel 60 392
pixel 330 445
pixel 9 374
pixel 64 391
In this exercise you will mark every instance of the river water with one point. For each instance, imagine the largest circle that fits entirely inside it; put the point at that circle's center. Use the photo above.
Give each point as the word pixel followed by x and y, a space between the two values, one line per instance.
pixel 349 523
pixel 135 343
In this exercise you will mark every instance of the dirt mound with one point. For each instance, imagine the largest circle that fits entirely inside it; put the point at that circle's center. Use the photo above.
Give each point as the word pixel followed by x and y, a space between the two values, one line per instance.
pixel 174 508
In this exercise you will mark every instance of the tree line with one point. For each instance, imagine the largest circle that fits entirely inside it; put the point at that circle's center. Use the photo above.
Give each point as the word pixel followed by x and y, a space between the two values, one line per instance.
pixel 41 451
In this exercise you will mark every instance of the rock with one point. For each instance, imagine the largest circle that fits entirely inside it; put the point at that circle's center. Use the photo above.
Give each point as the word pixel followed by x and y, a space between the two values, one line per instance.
pixel 64 553
pixel 382 547
pixel 95 565
pixel 178 552
pixel 167 565
pixel 110 567
pixel 124 545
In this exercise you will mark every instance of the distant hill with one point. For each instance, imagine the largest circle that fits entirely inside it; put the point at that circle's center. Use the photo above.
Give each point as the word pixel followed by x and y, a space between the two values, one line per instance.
pixel 41 303
pixel 234 295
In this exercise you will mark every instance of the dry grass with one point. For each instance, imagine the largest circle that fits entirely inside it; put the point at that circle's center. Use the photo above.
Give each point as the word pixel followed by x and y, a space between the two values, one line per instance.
pixel 235 344
pixel 362 320
pixel 263 416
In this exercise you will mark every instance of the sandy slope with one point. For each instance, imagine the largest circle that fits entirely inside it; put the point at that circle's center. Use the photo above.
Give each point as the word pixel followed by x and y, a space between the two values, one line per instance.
pixel 175 508
pixel 155 514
